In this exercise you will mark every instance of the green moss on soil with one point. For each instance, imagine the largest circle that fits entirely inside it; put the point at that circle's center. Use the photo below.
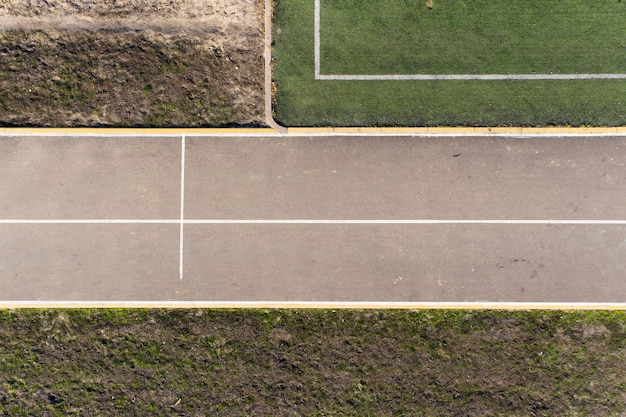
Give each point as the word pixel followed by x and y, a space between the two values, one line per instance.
pixel 125 79
pixel 312 362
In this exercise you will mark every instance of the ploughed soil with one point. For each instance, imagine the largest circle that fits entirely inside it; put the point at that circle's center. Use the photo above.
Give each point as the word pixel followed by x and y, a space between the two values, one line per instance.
pixel 311 363
pixel 190 63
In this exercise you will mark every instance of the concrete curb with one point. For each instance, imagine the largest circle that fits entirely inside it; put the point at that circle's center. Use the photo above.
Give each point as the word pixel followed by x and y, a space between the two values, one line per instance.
pixel 302 131
pixel 269 117
pixel 529 131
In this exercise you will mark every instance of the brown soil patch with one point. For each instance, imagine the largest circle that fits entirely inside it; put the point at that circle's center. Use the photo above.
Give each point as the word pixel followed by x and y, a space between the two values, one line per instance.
pixel 131 63
pixel 311 363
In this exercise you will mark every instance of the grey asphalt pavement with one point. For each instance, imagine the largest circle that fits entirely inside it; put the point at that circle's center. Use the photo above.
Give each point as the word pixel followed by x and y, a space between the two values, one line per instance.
pixel 91 218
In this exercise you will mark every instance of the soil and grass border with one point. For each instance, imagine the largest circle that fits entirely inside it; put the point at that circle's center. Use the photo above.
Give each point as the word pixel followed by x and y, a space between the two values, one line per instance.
pixel 312 362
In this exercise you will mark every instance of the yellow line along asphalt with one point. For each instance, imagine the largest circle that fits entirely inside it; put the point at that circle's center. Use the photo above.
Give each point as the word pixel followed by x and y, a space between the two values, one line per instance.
pixel 619 130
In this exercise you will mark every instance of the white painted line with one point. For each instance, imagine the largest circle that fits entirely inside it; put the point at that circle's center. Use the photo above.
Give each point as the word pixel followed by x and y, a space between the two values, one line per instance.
pixel 317 40
pixel 425 77
pixel 313 133
pixel 484 77
pixel 89 221
pixel 408 305
pixel 417 222
pixel 516 135
pixel 182 206
pixel 183 221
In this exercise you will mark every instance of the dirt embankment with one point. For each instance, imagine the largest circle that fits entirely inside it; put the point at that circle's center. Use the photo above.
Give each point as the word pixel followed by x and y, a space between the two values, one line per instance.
pixel 131 63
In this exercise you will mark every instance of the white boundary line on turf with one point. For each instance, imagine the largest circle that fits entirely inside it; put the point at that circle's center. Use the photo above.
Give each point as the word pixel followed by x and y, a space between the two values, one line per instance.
pixel 408 305
pixel 424 77
pixel 483 77
pixel 316 40
pixel 181 222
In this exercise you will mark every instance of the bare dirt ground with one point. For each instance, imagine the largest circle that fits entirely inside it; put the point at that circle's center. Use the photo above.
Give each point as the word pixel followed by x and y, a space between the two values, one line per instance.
pixel 131 63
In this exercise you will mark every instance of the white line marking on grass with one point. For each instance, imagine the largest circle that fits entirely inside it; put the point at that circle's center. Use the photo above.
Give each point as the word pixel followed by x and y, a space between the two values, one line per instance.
pixel 426 77
pixel 182 207
pixel 317 40
pixel 422 77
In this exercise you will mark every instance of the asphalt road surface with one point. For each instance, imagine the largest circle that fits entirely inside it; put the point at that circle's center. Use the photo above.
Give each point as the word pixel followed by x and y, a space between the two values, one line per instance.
pixel 395 219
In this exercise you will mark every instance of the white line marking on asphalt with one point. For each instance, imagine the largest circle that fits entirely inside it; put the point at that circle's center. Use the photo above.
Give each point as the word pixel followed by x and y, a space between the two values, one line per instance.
pixel 418 222
pixel 89 221
pixel 409 305
pixel 424 77
pixel 313 221
pixel 182 206
pixel 314 133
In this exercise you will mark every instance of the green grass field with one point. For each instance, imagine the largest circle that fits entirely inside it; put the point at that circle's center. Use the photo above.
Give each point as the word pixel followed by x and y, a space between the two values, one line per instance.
pixel 387 37
pixel 472 37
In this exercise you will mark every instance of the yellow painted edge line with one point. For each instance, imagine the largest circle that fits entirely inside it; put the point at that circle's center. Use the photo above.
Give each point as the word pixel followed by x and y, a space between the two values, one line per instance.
pixel 310 130
pixel 593 130
pixel 404 130
pixel 366 130
pixel 458 130
pixel 506 130
pixel 569 130
pixel 549 130
pixel 8 305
